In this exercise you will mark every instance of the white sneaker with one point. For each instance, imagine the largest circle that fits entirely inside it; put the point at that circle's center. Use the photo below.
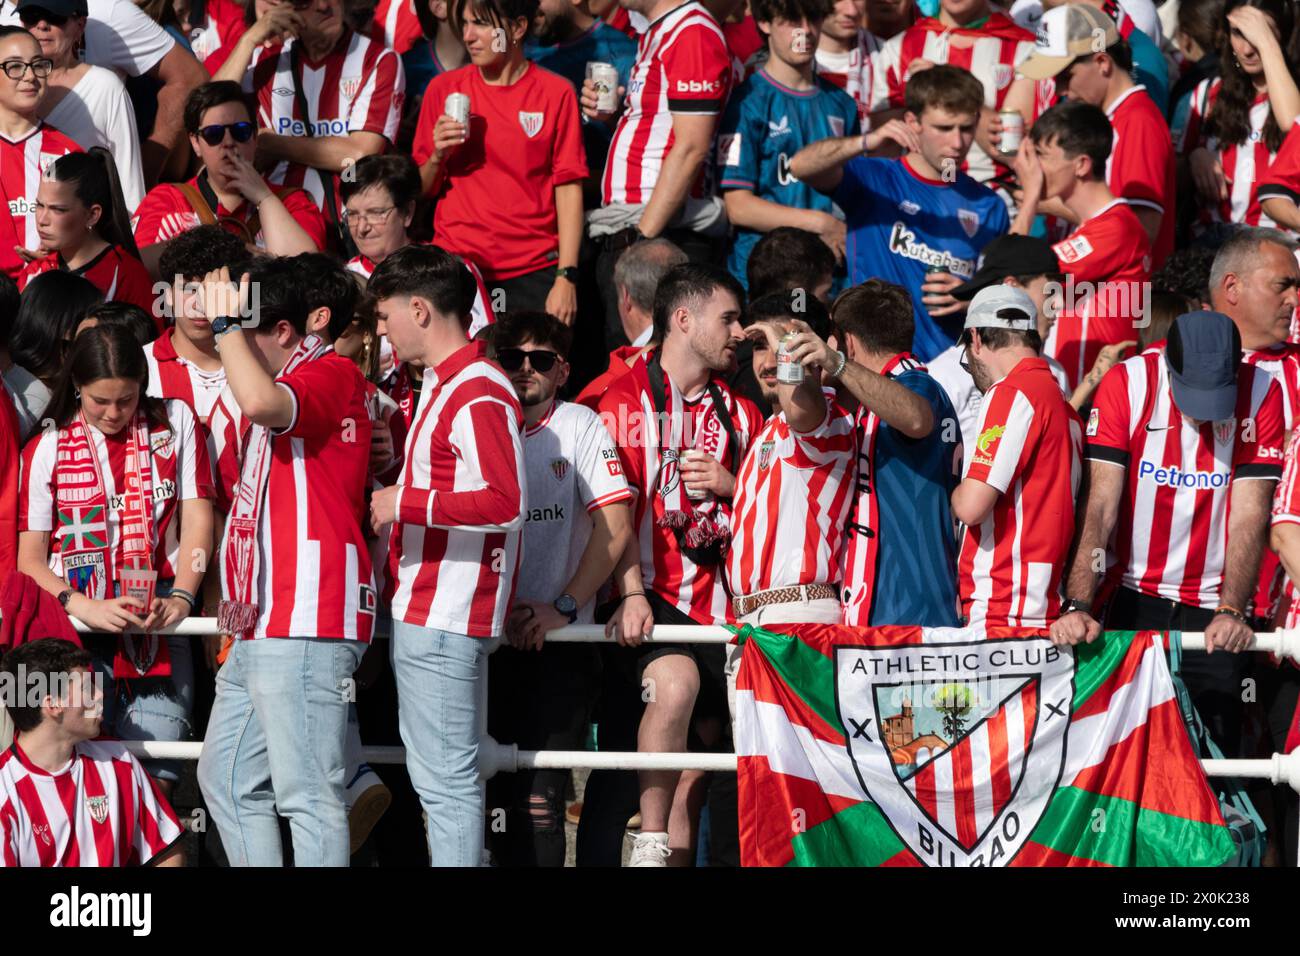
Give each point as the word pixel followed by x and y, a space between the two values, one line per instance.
pixel 650 849
pixel 367 799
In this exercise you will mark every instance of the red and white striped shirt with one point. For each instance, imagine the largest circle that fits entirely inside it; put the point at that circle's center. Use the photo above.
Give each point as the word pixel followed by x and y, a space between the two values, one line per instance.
pixel 171 376
pixel 358 87
pixel 650 463
pixel 396 25
pixel 855 73
pixel 990 52
pixel 22 163
pixel 1283 364
pixel 792 503
pixel 1286 510
pixel 1244 164
pixel 1028 447
pixel 1171 538
pixel 455 546
pixel 102 809
pixel 314 573
pixel 52 489
pixel 682 66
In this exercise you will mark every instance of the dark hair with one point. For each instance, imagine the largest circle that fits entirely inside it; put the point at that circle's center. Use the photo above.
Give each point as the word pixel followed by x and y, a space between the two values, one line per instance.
pixel 93 176
pixel 396 172
pixel 130 317
pixel 688 283
pixel 998 339
pixel 878 314
pixel 499 12
pixel 1080 129
pixel 765 11
pixel 1164 308
pixel 106 351
pixel 49 311
pixel 1229 119
pixel 430 273
pixel 198 251
pixel 944 87
pixel 9 301
pixel 279 294
pixel 9 30
pixel 203 98
pixel 1187 272
pixel 539 328
pixel 326 284
pixel 788 258
pixel 1200 20
pixel 791 304
pixel 45 661
pixel 1122 53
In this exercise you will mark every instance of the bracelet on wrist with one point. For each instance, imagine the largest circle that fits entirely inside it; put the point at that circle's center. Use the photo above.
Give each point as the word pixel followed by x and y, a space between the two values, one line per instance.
pixel 184 595
pixel 843 364
pixel 1232 612
pixel 631 594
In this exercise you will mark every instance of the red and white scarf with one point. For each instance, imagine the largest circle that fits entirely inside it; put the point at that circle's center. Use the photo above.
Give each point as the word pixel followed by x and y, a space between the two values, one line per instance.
pixel 240 559
pixel 90 560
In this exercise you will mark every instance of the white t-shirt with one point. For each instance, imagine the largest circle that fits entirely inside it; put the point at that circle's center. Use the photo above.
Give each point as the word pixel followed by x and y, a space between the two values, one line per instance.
pixel 573 468
pixel 30 397
pixel 1143 13
pixel 119 36
pixel 98 112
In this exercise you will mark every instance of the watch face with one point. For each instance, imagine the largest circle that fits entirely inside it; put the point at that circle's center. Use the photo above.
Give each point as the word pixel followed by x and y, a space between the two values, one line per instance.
pixel 566 604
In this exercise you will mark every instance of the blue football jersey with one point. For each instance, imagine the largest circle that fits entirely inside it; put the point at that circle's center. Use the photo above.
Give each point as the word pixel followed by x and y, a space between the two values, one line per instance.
pixel 900 224
pixel 764 126
pixel 601 44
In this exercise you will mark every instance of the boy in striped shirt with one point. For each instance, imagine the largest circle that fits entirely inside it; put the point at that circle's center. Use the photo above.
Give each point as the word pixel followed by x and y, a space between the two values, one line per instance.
pixel 68 798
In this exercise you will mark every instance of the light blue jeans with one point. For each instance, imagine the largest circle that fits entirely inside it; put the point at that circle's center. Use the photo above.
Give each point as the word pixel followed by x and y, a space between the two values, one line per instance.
pixel 441 678
pixel 275 745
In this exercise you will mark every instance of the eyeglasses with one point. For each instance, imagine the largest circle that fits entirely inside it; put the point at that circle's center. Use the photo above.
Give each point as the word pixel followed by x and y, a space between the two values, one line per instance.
pixel 17 69
pixel 215 134
pixel 512 360
pixel 371 217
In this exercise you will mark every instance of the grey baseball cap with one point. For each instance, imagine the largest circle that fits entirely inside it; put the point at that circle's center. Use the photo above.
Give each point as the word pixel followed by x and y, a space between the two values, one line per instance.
pixel 1203 353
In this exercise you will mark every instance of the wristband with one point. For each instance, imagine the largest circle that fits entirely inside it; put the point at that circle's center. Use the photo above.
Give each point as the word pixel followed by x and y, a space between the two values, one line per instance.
pixel 1072 606
pixel 839 369
pixel 184 595
pixel 630 594
pixel 1232 612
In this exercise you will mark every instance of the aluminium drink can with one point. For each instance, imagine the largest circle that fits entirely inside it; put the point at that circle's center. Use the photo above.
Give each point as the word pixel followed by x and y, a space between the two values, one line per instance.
pixel 788 370
pixel 1013 131
pixel 604 76
pixel 457 108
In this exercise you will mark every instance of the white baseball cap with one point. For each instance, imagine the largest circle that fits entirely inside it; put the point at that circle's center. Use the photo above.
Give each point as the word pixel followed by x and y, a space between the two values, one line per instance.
pixel 1002 307
pixel 1065 34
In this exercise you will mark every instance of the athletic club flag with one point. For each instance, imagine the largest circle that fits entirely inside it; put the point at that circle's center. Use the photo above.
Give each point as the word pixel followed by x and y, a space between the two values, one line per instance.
pixel 909 746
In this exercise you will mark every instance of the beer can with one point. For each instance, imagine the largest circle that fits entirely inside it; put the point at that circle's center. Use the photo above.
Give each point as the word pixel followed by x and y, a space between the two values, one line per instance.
pixel 697 494
pixel 458 108
pixel 788 370
pixel 1013 130
pixel 604 76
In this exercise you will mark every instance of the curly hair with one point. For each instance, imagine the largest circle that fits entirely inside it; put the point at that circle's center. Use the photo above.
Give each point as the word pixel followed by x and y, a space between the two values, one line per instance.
pixel 1229 119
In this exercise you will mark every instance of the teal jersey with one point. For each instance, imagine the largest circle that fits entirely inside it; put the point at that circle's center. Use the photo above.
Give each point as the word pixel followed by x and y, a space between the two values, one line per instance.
pixel 764 126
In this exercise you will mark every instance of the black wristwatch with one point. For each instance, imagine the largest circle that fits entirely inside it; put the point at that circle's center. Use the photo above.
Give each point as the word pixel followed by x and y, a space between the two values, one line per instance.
pixel 567 605
pixel 567 272
pixel 1072 605
pixel 223 324
pixel 65 596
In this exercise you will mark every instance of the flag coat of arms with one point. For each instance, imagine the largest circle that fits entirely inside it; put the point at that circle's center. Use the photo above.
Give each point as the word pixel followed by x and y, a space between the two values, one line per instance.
pixel 909 746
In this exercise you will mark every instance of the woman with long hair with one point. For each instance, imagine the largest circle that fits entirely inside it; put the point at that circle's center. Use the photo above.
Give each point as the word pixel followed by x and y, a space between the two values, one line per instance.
pixel 1237 122
pixel 85 229
pixel 119 488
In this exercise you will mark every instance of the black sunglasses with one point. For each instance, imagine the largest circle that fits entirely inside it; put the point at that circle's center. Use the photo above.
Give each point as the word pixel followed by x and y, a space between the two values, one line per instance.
pixel 512 360
pixel 214 135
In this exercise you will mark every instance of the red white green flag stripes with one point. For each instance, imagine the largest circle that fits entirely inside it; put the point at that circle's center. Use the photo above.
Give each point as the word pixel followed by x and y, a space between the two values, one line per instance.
pixel 908 746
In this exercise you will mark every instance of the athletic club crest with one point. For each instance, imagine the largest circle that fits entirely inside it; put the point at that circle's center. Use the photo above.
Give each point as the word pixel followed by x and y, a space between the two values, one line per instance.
pixel 960 745
pixel 86 573
pixel 98 808
pixel 1223 430
pixel 668 476
pixel 765 454
pixel 559 468
pixel 349 86
pixel 1003 74
pixel 970 221
pixel 531 122
pixel 42 830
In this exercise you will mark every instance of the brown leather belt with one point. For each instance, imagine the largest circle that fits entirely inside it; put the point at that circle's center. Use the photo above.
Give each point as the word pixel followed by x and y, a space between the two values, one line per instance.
pixel 749 603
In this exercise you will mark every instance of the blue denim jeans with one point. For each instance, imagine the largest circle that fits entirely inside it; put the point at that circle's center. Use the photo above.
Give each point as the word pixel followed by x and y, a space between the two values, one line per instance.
pixel 148 708
pixel 441 678
pixel 275 745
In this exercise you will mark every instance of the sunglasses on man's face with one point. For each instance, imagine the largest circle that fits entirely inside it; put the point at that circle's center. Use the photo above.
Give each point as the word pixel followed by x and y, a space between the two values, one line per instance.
pixel 34 15
pixel 512 360
pixel 215 134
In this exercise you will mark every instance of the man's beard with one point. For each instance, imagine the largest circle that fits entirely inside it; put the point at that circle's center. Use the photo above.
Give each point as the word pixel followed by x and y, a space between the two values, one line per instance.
pixel 981 375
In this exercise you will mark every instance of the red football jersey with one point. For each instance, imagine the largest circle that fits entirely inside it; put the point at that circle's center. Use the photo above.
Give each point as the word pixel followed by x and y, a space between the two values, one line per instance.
pixel 1141 164
pixel 115 272
pixel 1246 165
pixel 22 163
pixel 165 213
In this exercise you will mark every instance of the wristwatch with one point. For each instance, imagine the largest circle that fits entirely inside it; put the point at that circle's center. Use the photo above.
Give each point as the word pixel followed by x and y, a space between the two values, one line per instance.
pixel 223 324
pixel 567 605
pixel 567 272
pixel 65 596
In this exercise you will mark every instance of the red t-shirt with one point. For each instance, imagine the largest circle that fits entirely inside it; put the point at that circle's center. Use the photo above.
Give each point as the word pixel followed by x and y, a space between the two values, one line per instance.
pixel 497 204
pixel 1107 263
pixel 223 25
pixel 114 272
pixel 1141 164
pixel 395 24
pixel 165 213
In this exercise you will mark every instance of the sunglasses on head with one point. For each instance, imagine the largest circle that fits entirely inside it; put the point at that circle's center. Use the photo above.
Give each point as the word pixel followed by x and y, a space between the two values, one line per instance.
pixel 216 133
pixel 512 360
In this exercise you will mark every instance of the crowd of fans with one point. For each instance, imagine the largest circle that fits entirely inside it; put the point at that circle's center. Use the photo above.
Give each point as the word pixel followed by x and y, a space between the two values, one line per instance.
pixel 340 323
